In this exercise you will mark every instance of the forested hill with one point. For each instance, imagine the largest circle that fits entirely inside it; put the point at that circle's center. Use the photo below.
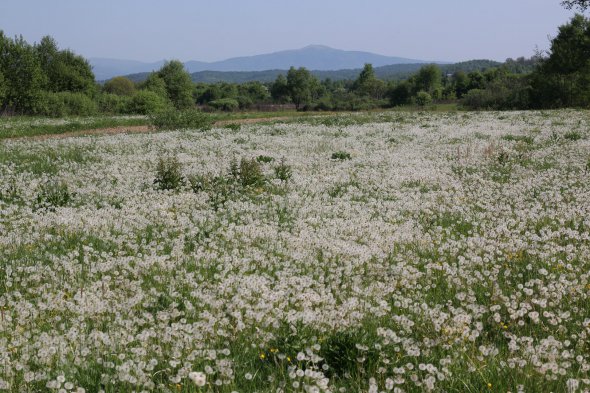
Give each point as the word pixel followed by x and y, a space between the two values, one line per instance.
pixel 389 72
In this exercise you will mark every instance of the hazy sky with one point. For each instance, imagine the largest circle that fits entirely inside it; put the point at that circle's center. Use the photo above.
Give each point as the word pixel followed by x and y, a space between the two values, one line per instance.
pixel 150 30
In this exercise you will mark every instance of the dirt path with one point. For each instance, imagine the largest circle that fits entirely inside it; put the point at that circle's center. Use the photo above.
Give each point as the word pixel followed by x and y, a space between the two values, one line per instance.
pixel 138 129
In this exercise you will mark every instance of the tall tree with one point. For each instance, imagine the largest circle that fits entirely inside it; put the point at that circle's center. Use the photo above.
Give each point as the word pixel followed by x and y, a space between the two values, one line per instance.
pixel 429 80
pixel 299 85
pixel 279 89
pixel 63 69
pixel 563 79
pixel 367 83
pixel 179 86
pixel 23 77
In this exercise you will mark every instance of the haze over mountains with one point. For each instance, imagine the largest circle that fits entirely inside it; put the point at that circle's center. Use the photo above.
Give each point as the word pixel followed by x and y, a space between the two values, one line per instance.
pixel 313 57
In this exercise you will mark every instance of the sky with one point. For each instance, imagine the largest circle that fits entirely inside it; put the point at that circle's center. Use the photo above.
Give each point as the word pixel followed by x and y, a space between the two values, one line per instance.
pixel 151 30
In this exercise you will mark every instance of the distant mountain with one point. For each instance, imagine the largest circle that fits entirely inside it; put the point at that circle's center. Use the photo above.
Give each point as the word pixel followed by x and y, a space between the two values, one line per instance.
pixel 313 57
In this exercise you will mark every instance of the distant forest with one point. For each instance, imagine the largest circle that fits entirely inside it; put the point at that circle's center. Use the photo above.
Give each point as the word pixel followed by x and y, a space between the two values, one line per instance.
pixel 41 79
pixel 395 72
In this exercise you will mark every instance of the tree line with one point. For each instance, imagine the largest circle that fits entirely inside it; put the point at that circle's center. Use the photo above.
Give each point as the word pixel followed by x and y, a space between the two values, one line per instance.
pixel 42 79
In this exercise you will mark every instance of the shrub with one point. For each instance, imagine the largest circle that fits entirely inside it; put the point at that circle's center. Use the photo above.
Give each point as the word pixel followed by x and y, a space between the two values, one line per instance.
pixel 53 194
pixel 264 159
pixel 572 135
pixel 423 98
pixel 341 155
pixel 146 102
pixel 247 173
pixel 283 171
pixel 65 104
pixel 113 104
pixel 120 86
pixel 225 104
pixel 177 120
pixel 168 174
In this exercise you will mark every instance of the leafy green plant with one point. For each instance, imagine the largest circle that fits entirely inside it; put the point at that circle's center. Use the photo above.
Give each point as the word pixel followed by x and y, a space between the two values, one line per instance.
pixel 168 174
pixel 283 171
pixel 247 173
pixel 264 159
pixel 53 194
pixel 172 119
pixel 341 155
pixel 572 136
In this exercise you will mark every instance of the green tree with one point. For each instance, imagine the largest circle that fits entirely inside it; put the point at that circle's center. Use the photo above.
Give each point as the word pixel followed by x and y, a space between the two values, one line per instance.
pixel 367 83
pixel 563 79
pixel 2 89
pixel 23 77
pixel 120 86
pixel 64 70
pixel 428 79
pixel 179 86
pixel 299 85
pixel 155 84
pixel 279 90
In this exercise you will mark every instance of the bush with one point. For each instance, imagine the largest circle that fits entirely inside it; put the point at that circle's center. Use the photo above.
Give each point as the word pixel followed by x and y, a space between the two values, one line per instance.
pixel 120 86
pixel 283 171
pixel 247 173
pixel 341 155
pixel 264 159
pixel 172 119
pixel 168 174
pixel 53 194
pixel 146 102
pixel 65 104
pixel 225 104
pixel 423 98
pixel 113 104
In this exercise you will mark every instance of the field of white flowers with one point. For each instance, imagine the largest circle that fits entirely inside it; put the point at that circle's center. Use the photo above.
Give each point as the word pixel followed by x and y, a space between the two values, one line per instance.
pixel 401 252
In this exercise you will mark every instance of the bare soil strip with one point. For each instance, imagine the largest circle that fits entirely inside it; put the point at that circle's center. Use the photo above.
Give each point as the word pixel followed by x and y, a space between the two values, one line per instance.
pixel 138 129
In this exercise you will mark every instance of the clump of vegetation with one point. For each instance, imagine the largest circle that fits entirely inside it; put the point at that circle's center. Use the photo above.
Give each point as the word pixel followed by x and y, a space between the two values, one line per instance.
pixel 172 119
pixel 264 159
pixel 248 173
pixel 168 174
pixel 573 136
pixel 423 98
pixel 232 126
pixel 283 171
pixel 519 138
pixel 53 194
pixel 341 155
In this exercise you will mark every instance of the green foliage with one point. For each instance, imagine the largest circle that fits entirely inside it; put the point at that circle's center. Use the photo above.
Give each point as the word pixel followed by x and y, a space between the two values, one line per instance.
pixel 299 86
pixel 581 4
pixel 168 174
pixel 341 155
pixel 120 86
pixel 573 135
pixel 113 104
pixel 172 119
pixel 428 80
pixel 264 159
pixel 65 104
pixel 248 173
pixel 225 104
pixel 279 90
pixel 23 76
pixel 423 98
pixel 283 171
pixel 367 84
pixel 146 102
pixel 53 194
pixel 563 79
pixel 504 92
pixel 155 84
pixel 179 86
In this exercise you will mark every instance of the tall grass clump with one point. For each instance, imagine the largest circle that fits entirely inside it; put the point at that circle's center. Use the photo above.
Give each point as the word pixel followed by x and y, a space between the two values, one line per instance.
pixel 172 119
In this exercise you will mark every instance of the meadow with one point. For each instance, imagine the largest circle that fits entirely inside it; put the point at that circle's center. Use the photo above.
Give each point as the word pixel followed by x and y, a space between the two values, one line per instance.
pixel 381 252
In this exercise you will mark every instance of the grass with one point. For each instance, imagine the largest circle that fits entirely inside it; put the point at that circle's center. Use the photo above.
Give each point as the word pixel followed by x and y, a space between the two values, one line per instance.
pixel 20 127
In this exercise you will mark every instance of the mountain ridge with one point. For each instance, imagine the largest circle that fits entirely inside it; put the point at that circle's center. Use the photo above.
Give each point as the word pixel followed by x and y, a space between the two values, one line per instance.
pixel 315 57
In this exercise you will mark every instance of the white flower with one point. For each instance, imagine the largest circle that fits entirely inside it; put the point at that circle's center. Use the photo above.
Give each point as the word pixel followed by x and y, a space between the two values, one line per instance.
pixel 198 378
